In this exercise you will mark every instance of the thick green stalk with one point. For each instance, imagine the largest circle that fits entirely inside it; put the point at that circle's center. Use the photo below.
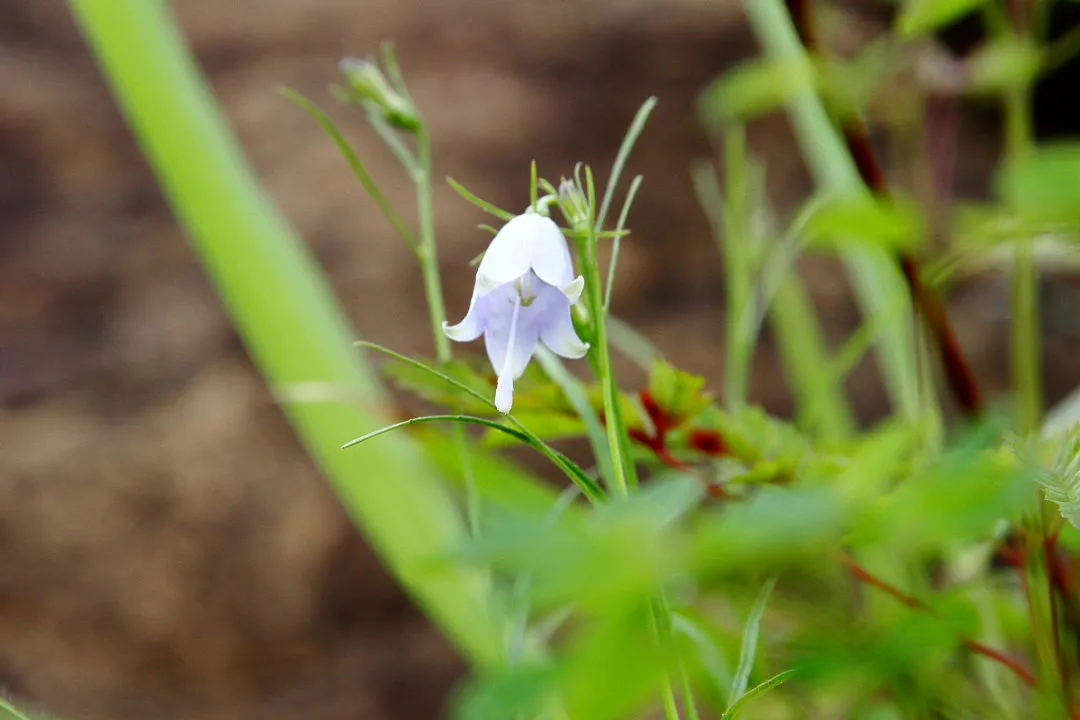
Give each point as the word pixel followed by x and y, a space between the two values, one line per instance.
pixel 875 278
pixel 285 313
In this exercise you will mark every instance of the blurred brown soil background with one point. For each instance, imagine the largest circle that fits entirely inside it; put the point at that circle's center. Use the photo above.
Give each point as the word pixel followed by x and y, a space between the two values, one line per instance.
pixel 167 549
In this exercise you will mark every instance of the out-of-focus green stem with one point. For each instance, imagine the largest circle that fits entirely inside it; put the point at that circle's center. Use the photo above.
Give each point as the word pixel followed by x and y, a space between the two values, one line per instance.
pixel 285 313
pixel 1027 388
pixel 429 261
pixel 1026 347
pixel 875 278
pixel 818 392
pixel 428 255
pixel 738 343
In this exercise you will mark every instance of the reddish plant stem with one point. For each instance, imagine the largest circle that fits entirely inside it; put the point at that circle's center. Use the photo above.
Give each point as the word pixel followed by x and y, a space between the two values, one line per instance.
pixel 663 422
pixel 863 575
pixel 1058 590
pixel 958 372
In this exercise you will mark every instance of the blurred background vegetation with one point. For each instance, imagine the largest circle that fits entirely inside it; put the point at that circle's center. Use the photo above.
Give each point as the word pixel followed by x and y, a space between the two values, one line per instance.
pixel 168 548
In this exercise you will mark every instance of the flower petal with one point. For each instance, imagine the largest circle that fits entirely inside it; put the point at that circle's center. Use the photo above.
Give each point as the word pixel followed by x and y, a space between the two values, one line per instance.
pixel 550 253
pixel 510 336
pixel 572 290
pixel 561 338
pixel 472 325
pixel 509 255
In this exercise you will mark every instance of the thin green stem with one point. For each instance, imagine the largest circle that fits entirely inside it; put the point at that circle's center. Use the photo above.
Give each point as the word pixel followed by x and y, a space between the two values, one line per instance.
pixel 357 166
pixel 687 692
pixel 429 260
pixel 636 126
pixel 427 254
pixel 667 696
pixel 623 474
pixel 616 244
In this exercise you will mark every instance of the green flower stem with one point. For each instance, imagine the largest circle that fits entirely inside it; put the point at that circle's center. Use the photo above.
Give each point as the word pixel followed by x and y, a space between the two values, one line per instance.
pixel 286 315
pixel 624 475
pixel 429 259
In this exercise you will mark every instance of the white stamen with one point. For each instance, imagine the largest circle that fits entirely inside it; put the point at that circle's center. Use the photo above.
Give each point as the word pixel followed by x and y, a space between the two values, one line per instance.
pixel 504 388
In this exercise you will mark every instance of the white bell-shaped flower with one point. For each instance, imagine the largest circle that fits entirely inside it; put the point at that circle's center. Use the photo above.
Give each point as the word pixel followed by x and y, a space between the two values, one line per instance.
pixel 525 287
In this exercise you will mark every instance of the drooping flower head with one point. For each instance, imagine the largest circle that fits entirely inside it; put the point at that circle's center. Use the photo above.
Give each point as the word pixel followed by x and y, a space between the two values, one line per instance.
pixel 525 287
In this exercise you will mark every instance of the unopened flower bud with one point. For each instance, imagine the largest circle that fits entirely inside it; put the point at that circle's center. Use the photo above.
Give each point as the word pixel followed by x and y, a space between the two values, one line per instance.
pixel 367 82
pixel 574 204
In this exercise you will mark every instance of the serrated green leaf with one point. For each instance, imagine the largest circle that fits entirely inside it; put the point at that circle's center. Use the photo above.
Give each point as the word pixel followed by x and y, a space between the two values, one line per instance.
pixel 678 393
pixel 769 449
pixel 923 16
pixel 957 499
pixel 1061 478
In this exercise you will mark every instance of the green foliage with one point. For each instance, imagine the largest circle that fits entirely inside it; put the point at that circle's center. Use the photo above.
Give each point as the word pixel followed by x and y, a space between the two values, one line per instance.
pixel 757 88
pixel 1060 477
pixel 1006 64
pixel 889 223
pixel 679 394
pixel 918 17
pixel 921 573
pixel 1042 185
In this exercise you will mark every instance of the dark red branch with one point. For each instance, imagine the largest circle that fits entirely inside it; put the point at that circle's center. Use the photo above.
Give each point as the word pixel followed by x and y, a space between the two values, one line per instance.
pixel 656 441
pixel 863 575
